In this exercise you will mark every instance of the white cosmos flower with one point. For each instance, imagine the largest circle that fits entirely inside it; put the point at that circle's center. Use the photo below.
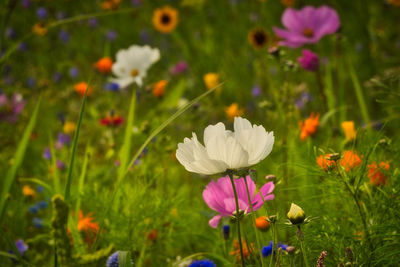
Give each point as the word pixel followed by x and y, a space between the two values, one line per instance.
pixel 225 149
pixel 132 64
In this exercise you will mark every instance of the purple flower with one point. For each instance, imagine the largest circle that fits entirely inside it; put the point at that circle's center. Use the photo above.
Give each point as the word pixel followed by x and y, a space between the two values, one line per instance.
pixel 10 33
pixel 22 46
pixel 179 68
pixel 57 76
pixel 60 165
pixel 31 82
pixel 256 91
pixel 41 13
pixel 25 3
pixel 112 260
pixel 47 153
pixel 73 72
pixel 303 99
pixel 111 35
pixel 219 196
pixel 93 23
pixel 307 26
pixel 309 60
pixel 21 246
pixel 63 139
pixel 64 36
pixel 10 109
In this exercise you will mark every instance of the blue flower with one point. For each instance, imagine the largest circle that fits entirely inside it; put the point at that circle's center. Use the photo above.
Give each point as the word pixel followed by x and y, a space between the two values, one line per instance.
pixel 73 72
pixel 225 231
pixel 41 13
pixel 21 246
pixel 47 153
pixel 42 204
pixel 202 263
pixel 37 222
pixel 33 209
pixel 112 260
pixel 111 87
pixel 39 189
pixel 267 250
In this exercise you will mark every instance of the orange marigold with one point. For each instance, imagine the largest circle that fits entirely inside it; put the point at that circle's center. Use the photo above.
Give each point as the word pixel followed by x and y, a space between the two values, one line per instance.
pixel 28 191
pixel 350 160
pixel 159 88
pixel 233 111
pixel 236 251
pixel 80 88
pixel 309 126
pixel 325 163
pixel 376 173
pixel 104 65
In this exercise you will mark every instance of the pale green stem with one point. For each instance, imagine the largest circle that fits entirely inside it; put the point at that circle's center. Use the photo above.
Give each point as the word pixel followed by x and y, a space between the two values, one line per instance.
pixel 237 219
pixel 253 218
pixel 302 248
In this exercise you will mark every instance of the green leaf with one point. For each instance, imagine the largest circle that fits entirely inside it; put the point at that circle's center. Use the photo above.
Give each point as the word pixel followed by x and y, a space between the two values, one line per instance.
pixel 124 259
pixel 18 158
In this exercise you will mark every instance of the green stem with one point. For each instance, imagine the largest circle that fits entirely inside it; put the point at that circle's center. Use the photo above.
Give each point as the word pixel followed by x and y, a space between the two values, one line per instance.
pixel 273 243
pixel 253 224
pixel 237 219
pixel 302 248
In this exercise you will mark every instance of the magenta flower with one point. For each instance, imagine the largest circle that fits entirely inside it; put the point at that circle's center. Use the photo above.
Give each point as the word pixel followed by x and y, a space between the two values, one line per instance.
pixel 309 60
pixel 219 196
pixel 307 26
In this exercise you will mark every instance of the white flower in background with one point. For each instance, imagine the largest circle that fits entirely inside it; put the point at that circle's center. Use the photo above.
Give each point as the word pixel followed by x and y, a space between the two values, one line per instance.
pixel 225 149
pixel 132 64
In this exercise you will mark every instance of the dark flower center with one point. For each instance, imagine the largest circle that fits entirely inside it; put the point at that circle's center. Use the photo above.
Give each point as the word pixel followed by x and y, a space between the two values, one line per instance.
pixel 307 32
pixel 260 38
pixel 165 19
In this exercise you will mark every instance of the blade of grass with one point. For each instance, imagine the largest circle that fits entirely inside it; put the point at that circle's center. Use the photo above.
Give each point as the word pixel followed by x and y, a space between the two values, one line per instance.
pixel 359 94
pixel 124 259
pixel 75 142
pixel 139 151
pixel 18 158
pixel 56 176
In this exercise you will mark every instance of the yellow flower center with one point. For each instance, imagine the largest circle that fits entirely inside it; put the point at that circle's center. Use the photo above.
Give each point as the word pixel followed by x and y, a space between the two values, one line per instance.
pixel 134 72
pixel 307 32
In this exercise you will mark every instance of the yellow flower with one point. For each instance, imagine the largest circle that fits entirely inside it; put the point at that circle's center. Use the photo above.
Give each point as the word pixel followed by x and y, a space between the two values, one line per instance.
pixel 211 80
pixel 349 131
pixel 39 28
pixel 69 127
pixel 165 19
pixel 28 191
pixel 258 38
pixel 296 215
pixel 233 111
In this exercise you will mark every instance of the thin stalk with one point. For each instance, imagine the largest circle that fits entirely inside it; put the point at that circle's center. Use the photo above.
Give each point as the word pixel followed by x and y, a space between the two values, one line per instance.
pixel 322 90
pixel 300 238
pixel 253 222
pixel 273 229
pixel 237 219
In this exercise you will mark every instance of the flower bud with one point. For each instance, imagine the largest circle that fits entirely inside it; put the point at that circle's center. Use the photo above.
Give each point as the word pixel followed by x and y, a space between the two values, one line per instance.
pixel 225 231
pixel 296 215
pixel 290 249
pixel 262 224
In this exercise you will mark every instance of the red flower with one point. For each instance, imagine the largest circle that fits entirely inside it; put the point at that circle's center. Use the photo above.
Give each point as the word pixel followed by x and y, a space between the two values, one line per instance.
pixel 375 175
pixel 113 120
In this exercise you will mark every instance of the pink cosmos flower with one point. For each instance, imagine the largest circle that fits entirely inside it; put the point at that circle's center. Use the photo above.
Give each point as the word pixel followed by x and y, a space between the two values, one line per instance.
pixel 219 196
pixel 307 26
pixel 309 60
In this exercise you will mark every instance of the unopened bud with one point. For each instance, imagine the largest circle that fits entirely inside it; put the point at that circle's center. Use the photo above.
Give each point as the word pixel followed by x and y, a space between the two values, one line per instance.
pixel 296 215
pixel 225 231
pixel 290 249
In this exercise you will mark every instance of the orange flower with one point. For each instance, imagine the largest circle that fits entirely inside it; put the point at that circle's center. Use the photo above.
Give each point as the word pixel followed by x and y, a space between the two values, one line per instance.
pixel 288 3
pixel 28 191
pixel 110 4
pixel 375 175
pixel 236 251
pixel 324 162
pixel 86 224
pixel 80 88
pixel 211 80
pixel 262 224
pixel 394 2
pixel 350 160
pixel 104 65
pixel 165 19
pixel 39 28
pixel 233 111
pixel 309 126
pixel 159 88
